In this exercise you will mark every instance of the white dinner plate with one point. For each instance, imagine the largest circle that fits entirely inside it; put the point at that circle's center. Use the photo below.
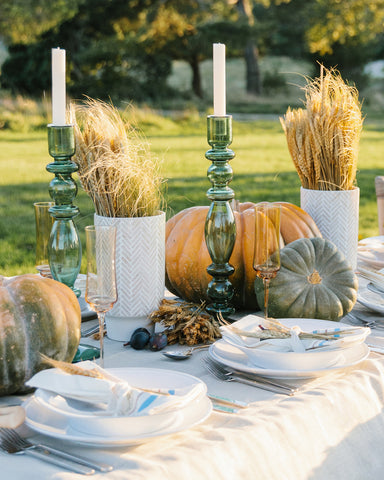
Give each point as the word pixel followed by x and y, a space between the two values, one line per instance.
pixel 272 355
pixel 52 415
pixel 233 357
pixel 373 301
pixel 371 251
pixel 92 418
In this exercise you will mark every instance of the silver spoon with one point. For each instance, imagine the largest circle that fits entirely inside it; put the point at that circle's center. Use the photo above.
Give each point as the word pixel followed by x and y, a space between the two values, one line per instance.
pixel 183 355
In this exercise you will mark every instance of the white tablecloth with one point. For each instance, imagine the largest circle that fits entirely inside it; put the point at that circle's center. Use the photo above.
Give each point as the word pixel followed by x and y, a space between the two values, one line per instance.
pixel 333 429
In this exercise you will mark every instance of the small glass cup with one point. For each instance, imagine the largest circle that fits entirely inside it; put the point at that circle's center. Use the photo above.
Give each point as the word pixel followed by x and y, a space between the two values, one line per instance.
pixel 44 222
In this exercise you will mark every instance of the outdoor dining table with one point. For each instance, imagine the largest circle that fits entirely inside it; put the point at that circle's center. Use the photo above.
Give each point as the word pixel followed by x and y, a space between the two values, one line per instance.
pixel 332 428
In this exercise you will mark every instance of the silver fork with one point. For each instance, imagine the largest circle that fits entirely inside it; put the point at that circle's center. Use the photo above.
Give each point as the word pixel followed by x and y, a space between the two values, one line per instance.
pixel 12 442
pixel 228 376
pixel 256 377
pixel 356 320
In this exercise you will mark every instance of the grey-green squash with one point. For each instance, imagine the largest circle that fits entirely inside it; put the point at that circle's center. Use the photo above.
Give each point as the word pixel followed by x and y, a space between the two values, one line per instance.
pixel 37 315
pixel 315 281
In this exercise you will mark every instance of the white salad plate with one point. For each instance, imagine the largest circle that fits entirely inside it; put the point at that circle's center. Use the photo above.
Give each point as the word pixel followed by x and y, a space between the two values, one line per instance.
pixel 371 251
pixel 373 301
pixel 272 355
pixel 73 420
pixel 234 358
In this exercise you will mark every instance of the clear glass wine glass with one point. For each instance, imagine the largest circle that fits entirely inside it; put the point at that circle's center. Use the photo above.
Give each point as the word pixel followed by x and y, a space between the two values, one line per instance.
pixel 100 291
pixel 266 259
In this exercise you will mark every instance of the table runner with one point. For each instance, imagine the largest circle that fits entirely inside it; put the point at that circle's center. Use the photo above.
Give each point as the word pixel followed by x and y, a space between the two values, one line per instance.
pixel 332 429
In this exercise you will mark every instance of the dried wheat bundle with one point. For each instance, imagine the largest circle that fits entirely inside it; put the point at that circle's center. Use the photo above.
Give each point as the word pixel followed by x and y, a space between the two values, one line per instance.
pixel 186 323
pixel 323 138
pixel 116 167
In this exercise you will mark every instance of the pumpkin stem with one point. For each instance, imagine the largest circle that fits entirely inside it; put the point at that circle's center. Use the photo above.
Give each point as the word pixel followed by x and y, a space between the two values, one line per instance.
pixel 314 278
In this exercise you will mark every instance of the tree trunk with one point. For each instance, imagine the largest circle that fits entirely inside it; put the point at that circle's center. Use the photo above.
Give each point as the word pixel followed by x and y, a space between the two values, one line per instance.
pixel 253 80
pixel 196 77
pixel 251 53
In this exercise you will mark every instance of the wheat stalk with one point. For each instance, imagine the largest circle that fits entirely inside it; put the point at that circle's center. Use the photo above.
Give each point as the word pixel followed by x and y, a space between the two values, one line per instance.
pixel 116 167
pixel 323 139
pixel 72 369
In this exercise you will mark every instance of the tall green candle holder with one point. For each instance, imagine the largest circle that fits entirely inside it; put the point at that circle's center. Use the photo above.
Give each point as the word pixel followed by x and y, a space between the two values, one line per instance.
pixel 220 226
pixel 64 249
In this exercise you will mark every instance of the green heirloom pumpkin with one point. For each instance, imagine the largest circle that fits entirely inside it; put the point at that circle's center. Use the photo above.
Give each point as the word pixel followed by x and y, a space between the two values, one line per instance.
pixel 37 315
pixel 315 281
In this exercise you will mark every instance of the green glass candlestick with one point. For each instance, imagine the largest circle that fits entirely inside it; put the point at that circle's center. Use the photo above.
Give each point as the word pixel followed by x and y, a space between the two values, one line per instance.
pixel 64 249
pixel 220 226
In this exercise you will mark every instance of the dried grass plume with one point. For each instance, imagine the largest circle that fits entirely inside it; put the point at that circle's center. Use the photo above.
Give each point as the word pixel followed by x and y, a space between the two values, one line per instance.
pixel 323 139
pixel 116 168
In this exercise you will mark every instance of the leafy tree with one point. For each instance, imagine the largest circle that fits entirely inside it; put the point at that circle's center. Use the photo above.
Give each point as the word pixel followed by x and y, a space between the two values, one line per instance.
pixel 103 60
pixel 186 30
pixel 247 10
pixel 341 22
pixel 346 34
pixel 23 21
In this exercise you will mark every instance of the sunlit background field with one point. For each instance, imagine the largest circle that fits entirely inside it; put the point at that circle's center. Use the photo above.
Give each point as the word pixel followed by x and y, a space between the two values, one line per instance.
pixel 263 169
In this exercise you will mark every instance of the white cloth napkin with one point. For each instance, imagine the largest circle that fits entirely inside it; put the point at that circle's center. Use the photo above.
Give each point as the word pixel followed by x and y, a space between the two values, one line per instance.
pixel 115 396
pixel 291 344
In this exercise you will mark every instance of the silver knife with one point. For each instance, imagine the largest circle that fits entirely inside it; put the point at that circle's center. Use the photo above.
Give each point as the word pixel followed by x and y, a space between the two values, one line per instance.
pixel 263 385
pixel 376 348
pixel 267 381
pixel 50 452
pixel 101 467
pixel 60 462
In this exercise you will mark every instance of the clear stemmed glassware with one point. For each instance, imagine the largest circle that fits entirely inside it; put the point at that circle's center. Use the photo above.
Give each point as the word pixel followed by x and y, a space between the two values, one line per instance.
pixel 266 259
pixel 101 292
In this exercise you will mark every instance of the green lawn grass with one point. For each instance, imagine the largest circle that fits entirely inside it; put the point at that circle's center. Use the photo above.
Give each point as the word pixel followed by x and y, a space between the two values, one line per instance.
pixel 263 170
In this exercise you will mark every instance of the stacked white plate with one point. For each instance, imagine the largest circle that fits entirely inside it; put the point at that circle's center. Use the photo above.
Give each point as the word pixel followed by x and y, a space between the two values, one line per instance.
pixel 77 421
pixel 271 362
pixel 370 251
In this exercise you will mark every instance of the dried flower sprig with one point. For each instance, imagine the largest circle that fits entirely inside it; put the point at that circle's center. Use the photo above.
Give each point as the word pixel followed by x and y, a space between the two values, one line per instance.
pixel 186 323
pixel 116 168
pixel 323 138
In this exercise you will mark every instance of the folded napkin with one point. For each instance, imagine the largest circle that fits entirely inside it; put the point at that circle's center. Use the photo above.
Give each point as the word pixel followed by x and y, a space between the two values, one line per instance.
pixel 293 343
pixel 114 396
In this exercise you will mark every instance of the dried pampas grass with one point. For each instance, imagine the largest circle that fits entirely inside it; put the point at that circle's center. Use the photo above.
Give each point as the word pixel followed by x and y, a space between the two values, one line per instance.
pixel 116 168
pixel 323 138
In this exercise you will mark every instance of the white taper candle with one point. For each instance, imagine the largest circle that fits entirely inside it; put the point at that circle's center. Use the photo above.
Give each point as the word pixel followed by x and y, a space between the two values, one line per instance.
pixel 58 87
pixel 219 79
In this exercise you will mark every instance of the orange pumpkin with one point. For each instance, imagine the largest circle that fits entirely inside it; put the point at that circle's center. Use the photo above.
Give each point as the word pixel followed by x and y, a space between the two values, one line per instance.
pixel 187 257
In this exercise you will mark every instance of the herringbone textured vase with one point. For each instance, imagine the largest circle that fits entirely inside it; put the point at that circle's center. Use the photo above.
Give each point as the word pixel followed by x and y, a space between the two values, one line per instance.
pixel 336 213
pixel 140 263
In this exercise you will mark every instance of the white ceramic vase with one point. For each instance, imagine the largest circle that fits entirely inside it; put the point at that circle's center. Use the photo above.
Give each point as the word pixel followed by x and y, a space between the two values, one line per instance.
pixel 336 213
pixel 140 272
